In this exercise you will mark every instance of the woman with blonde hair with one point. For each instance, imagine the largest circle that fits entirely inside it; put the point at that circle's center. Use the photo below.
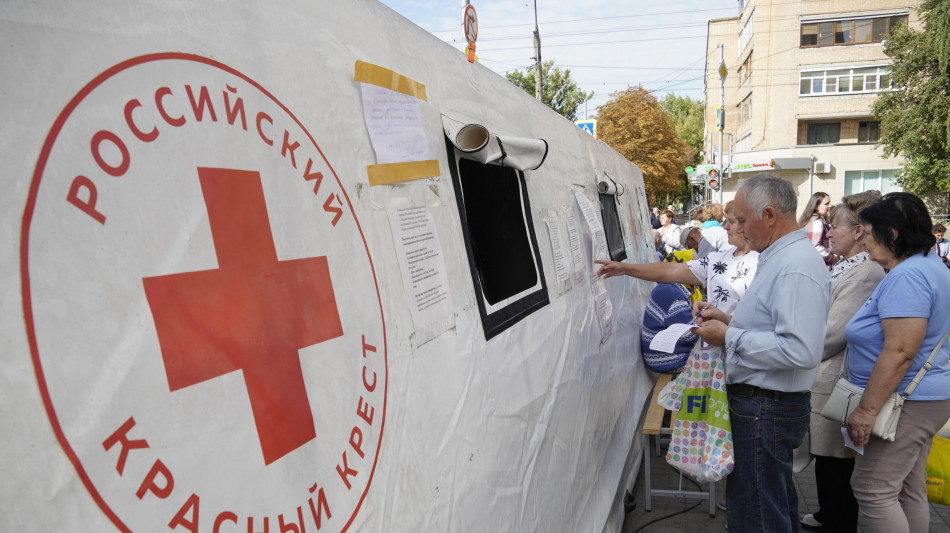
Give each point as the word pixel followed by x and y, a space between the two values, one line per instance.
pixel 725 274
pixel 853 278
pixel 715 238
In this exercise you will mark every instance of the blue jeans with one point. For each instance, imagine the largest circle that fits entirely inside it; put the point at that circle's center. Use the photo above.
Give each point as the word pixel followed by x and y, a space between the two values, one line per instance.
pixel 760 495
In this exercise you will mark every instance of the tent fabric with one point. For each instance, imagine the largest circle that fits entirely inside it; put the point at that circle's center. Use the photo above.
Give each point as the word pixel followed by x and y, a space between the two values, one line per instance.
pixel 186 182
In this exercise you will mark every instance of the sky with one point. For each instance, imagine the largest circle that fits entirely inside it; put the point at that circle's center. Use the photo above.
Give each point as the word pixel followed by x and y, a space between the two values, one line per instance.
pixel 607 45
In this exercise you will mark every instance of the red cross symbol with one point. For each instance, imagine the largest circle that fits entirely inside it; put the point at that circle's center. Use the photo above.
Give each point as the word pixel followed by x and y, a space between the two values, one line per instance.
pixel 253 313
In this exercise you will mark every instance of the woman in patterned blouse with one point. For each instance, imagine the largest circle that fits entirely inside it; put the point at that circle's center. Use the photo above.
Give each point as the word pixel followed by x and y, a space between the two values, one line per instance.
pixel 725 274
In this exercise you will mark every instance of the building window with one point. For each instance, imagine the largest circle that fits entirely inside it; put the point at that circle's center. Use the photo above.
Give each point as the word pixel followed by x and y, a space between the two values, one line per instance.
pixel 856 181
pixel 747 30
pixel 869 131
pixel 500 241
pixel 844 80
pixel 824 132
pixel 745 110
pixel 744 144
pixel 849 31
pixel 745 69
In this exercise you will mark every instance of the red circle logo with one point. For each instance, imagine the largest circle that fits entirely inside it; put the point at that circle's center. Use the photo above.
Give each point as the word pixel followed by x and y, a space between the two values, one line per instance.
pixel 201 305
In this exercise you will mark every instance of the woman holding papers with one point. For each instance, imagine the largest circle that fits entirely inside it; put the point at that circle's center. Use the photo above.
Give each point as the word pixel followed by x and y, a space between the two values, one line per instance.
pixel 725 274
pixel 853 278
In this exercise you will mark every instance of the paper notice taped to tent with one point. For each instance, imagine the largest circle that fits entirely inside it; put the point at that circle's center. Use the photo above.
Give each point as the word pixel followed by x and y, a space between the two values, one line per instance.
pixel 212 321
pixel 393 119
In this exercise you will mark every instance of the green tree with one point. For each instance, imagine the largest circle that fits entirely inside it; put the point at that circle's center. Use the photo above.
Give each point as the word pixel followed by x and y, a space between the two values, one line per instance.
pixel 634 123
pixel 915 116
pixel 687 116
pixel 558 90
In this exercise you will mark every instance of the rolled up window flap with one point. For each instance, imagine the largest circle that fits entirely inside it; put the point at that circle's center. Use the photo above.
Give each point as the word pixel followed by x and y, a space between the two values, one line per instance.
pixel 479 143
pixel 523 153
pixel 607 186
pixel 482 145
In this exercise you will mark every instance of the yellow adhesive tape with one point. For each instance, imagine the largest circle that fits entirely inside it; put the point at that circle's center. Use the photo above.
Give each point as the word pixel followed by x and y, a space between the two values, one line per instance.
pixel 397 172
pixel 383 77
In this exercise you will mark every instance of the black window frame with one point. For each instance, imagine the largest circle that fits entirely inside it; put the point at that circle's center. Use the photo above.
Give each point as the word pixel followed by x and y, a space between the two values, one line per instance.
pixel 498 320
pixel 815 132
pixel 870 130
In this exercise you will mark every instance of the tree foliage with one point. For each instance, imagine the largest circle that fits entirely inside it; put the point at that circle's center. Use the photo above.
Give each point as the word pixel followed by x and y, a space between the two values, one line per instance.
pixel 558 90
pixel 687 116
pixel 915 117
pixel 634 123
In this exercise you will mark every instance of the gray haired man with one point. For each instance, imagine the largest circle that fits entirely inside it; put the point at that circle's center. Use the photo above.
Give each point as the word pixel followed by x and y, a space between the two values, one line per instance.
pixel 773 345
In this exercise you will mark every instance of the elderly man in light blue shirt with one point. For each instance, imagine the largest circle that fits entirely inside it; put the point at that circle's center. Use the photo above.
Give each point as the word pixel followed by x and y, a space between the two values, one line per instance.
pixel 773 345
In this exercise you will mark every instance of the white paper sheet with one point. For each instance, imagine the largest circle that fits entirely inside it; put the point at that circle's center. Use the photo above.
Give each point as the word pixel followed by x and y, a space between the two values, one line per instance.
pixel 394 123
pixel 561 267
pixel 599 238
pixel 598 251
pixel 574 238
pixel 665 341
pixel 850 443
pixel 423 268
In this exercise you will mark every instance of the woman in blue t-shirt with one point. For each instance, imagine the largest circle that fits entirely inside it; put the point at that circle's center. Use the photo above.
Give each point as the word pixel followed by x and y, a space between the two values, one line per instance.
pixel 889 340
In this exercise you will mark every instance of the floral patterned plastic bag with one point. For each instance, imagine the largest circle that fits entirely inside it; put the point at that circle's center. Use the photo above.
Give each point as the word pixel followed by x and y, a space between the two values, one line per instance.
pixel 701 437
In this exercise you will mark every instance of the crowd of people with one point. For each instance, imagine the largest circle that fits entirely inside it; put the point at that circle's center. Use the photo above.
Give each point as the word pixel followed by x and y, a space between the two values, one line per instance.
pixel 853 289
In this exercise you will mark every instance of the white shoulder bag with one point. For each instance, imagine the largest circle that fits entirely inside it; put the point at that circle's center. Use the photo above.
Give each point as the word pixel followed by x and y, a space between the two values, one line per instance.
pixel 846 396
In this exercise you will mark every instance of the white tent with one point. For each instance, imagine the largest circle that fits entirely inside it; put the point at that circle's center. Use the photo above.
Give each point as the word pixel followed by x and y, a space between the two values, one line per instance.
pixel 299 266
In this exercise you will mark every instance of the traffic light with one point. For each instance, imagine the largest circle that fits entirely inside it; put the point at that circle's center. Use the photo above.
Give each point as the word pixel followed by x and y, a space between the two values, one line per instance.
pixel 712 179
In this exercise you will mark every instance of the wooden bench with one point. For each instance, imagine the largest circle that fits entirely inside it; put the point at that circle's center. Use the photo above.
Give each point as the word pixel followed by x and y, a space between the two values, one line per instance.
pixel 653 427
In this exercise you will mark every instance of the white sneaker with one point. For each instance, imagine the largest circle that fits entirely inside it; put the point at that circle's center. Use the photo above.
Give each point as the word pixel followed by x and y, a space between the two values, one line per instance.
pixel 809 522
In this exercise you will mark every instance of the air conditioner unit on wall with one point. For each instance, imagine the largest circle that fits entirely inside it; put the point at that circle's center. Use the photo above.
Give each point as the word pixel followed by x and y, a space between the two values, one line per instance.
pixel 822 167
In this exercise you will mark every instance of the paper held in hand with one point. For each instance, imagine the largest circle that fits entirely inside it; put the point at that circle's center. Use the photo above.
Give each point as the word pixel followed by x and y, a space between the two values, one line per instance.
pixel 665 341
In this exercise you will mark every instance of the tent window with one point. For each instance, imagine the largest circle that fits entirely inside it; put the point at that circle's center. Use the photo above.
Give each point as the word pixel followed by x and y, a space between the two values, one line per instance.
pixel 608 211
pixel 500 241
pixel 492 196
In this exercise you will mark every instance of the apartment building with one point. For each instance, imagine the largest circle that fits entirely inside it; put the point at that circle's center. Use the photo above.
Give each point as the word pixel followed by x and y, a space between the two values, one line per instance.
pixel 800 79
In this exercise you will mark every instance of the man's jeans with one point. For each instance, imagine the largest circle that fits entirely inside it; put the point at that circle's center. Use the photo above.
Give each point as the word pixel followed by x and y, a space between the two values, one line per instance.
pixel 760 495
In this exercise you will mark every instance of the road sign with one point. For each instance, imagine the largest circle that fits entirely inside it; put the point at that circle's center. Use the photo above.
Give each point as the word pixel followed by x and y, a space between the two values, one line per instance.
pixel 722 70
pixel 590 126
pixel 470 23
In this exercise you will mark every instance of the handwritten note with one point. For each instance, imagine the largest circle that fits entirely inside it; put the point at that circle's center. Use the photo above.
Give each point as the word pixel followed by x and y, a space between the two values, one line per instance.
pixel 394 123
pixel 665 341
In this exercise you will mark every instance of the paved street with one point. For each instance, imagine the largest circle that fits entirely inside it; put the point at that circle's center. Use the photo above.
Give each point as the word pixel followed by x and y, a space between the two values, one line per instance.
pixel 697 519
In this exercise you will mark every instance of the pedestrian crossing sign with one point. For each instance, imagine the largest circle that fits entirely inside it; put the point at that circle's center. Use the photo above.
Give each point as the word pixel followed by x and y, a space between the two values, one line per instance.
pixel 590 126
